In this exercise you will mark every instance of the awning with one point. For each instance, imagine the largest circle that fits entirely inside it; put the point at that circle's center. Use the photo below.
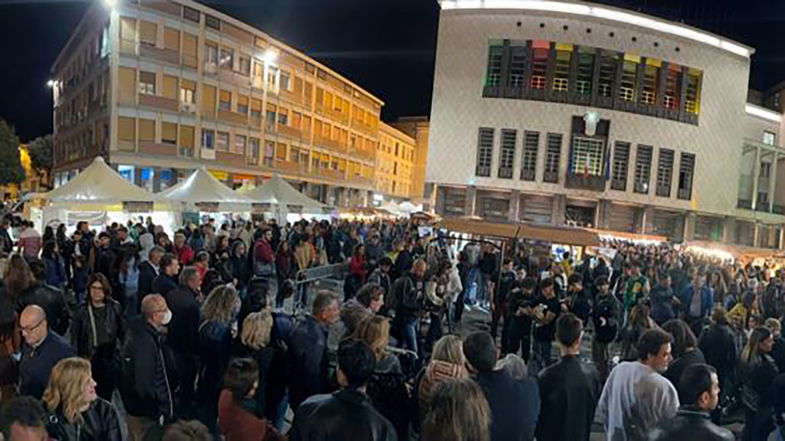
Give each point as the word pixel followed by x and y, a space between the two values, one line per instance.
pixel 545 233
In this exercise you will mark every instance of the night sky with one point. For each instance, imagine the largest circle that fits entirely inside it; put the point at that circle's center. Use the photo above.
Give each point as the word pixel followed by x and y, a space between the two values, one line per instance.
pixel 385 46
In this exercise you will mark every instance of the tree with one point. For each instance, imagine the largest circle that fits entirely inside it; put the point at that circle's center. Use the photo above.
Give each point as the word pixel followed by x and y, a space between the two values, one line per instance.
pixel 41 150
pixel 11 171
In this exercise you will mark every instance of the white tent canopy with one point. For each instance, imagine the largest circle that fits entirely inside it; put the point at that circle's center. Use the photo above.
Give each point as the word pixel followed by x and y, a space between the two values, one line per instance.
pixel 280 194
pixel 98 184
pixel 202 188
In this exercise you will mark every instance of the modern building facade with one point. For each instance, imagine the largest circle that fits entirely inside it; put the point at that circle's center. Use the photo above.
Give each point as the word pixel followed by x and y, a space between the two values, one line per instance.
pixel 573 113
pixel 162 87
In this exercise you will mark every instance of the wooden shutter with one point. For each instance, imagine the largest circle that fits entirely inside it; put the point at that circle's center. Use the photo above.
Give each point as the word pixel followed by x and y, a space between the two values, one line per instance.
pixel 126 129
pixel 187 136
pixel 148 33
pixel 172 39
pixel 170 87
pixel 146 130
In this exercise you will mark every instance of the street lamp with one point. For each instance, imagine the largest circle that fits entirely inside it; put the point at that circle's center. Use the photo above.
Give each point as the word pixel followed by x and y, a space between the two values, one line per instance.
pixel 50 84
pixel 269 57
pixel 110 3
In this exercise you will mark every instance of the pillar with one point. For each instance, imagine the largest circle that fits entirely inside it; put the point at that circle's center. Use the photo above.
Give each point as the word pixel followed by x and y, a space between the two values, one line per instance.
pixel 365 197
pixel 755 234
pixel 429 197
pixel 558 210
pixel 341 196
pixel 689 225
pixel 772 181
pixel 781 237
pixel 772 240
pixel 729 229
pixel 470 204
pixel 603 210
pixel 156 179
pixel 646 220
pixel 514 214
pixel 755 179
pixel 441 199
pixel 137 175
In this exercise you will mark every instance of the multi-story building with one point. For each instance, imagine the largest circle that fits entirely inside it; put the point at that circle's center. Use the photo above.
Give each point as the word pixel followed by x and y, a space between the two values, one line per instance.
pixel 573 113
pixel 161 87
pixel 394 160
pixel 417 128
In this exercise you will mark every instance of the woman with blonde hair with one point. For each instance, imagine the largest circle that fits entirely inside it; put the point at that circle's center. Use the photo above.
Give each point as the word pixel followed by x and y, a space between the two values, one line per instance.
pixel 458 412
pixel 447 362
pixel 375 332
pixel 254 343
pixel 216 331
pixel 76 413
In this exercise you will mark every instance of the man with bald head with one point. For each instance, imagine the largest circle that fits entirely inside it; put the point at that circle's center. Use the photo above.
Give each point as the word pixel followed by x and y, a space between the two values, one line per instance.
pixel 147 372
pixel 41 350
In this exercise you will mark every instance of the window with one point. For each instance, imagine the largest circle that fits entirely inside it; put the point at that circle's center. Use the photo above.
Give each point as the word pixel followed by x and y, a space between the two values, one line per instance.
pixel 171 39
pixel 585 73
pixel 507 153
pixel 227 57
pixel 651 80
pixel 148 33
pixel 587 156
pixel 146 130
pixel 686 171
pixel 211 54
pixel 608 63
pixel 222 142
pixel 561 68
pixel 224 100
pixel 254 144
pixel 664 173
pixel 672 96
pixel 147 83
pixel 629 77
pixel 186 141
pixel 493 74
pixel 765 170
pixel 126 129
pixel 621 161
pixel 169 133
pixel 552 157
pixel 187 92
pixel 769 138
pixel 643 169
pixel 540 50
pixel 283 117
pixel 284 80
pixel 245 65
pixel 256 108
pixel 693 92
pixel 239 144
pixel 531 141
pixel 212 22
pixel 269 153
pixel 517 66
pixel 191 14
pixel 242 104
pixel 208 139
pixel 484 151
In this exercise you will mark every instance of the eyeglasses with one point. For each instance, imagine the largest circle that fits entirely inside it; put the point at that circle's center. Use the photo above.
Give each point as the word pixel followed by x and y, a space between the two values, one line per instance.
pixel 30 329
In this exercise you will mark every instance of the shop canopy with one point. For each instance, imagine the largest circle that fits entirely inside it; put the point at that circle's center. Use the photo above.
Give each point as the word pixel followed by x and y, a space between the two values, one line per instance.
pixel 545 233
pixel 98 187
pixel 279 196
pixel 201 191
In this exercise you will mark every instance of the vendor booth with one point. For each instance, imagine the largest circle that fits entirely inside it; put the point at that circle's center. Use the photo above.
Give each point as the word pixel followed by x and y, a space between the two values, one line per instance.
pixel 200 194
pixel 284 202
pixel 98 195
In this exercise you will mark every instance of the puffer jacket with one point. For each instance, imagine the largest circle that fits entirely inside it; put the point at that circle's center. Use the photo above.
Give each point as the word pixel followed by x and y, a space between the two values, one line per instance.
pixel 51 300
pixel 147 372
pixel 100 422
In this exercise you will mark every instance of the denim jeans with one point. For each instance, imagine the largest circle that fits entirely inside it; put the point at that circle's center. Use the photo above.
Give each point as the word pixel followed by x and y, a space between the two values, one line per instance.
pixel 471 287
pixel 409 336
pixel 542 355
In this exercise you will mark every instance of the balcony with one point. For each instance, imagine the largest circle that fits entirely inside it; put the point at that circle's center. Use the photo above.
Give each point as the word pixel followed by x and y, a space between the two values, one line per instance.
pixel 165 55
pixel 585 182
pixel 331 113
pixel 365 128
pixel 288 131
pixel 663 191
pixel 778 209
pixel 288 166
pixel 619 184
pixel 550 176
pixel 331 174
pixel 362 154
pixel 762 207
pixel 329 143
pixel 744 204
pixel 154 148
pixel 527 174
pixel 686 194
pixel 232 117
pixel 482 171
pixel 360 180
pixel 158 102
pixel 505 173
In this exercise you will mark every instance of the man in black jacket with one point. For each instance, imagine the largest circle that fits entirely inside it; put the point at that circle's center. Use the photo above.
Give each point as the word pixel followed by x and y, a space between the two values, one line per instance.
pixel 167 276
pixel 605 318
pixel 699 392
pixel 406 293
pixel 42 349
pixel 569 389
pixel 515 404
pixel 49 298
pixel 307 355
pixel 148 271
pixel 347 414
pixel 183 334
pixel 147 372
pixel 104 255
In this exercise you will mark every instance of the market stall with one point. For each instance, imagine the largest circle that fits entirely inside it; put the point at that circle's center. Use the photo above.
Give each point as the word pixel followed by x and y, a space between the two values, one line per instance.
pixel 98 195
pixel 200 194
pixel 278 197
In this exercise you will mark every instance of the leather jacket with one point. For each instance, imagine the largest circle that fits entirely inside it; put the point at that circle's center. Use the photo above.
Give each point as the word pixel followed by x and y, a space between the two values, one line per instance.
pixel 100 422
pixel 147 372
pixel 51 300
pixel 690 425
pixel 82 331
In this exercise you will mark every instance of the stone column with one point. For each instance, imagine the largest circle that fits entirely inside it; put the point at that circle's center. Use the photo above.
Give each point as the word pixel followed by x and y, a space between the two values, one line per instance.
pixel 558 210
pixel 729 229
pixel 429 197
pixel 689 225
pixel 514 214
pixel 341 196
pixel 156 179
pixel 441 199
pixel 646 225
pixel 470 204
pixel 755 234
pixel 601 218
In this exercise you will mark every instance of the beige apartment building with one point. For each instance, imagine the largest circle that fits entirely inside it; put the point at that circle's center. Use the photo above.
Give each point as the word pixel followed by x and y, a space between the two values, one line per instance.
pixel 160 88
pixel 394 161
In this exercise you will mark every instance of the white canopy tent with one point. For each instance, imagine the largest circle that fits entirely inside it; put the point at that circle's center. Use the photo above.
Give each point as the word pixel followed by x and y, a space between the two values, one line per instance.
pixel 92 195
pixel 283 199
pixel 201 189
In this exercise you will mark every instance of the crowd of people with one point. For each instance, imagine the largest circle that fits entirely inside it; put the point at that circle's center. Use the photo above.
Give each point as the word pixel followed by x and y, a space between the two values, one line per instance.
pixel 128 334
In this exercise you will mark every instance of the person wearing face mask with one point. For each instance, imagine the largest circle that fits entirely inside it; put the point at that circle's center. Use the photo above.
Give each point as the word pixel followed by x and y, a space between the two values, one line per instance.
pixel 148 380
pixel 307 355
pixel 75 413
pixel 217 328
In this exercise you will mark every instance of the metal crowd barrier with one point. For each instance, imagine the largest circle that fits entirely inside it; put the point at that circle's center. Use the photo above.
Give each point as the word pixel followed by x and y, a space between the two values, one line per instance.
pixel 305 278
